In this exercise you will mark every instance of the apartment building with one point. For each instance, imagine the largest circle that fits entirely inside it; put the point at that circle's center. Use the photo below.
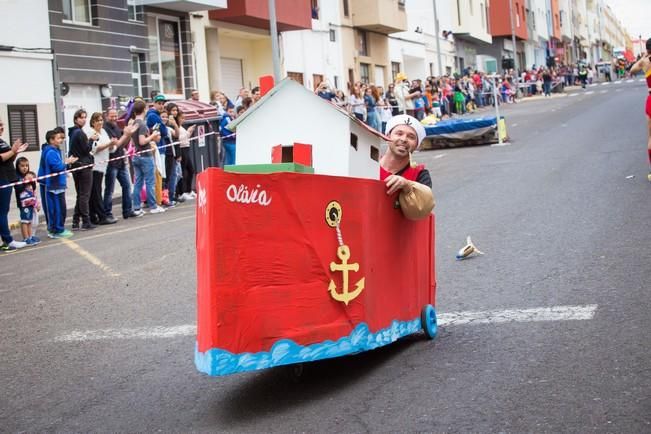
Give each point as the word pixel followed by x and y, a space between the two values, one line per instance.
pixel 349 41
pixel 108 51
pixel 415 51
pixel 502 14
pixel 233 44
pixel 471 26
pixel 27 107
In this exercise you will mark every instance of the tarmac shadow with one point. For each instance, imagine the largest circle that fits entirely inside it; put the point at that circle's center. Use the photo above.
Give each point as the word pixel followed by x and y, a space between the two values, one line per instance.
pixel 272 391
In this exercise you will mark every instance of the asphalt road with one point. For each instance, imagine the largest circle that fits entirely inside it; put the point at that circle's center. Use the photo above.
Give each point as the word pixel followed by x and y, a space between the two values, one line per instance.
pixel 561 222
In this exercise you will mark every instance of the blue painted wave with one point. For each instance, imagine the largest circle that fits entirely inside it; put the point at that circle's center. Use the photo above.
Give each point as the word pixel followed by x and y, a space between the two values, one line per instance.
pixel 284 352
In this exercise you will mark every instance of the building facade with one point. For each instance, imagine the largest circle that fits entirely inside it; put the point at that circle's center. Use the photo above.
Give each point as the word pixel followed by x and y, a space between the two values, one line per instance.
pixel 27 107
pixel 108 51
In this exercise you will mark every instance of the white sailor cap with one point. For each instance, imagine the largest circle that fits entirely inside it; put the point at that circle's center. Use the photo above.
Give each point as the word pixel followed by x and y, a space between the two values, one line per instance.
pixel 406 120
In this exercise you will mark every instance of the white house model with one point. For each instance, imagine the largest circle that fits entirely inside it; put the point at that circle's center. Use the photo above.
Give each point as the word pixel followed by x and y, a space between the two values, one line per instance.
pixel 289 113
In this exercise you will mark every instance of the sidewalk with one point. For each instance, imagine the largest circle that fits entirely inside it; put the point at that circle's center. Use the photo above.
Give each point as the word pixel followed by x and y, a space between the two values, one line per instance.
pixel 71 197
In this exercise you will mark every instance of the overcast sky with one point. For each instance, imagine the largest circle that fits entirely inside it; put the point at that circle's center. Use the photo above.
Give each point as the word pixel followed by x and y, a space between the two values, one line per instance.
pixel 635 15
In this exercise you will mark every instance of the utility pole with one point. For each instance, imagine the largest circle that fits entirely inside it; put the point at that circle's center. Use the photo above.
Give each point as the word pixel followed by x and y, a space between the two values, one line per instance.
pixel 438 42
pixel 273 29
pixel 515 51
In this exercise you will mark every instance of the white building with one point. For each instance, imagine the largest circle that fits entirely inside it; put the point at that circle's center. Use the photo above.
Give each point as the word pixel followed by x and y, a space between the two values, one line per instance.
pixel 27 86
pixel 341 145
pixel 414 51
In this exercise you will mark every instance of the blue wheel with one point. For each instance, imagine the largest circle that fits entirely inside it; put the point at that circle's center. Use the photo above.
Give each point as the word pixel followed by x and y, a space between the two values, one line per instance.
pixel 428 321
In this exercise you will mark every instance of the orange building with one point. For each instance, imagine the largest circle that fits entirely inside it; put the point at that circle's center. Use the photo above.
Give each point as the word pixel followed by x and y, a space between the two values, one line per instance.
pixel 501 18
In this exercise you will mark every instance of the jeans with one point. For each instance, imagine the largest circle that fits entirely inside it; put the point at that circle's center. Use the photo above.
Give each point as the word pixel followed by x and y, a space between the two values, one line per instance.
pixel 172 177
pixel 123 177
pixel 5 200
pixel 83 184
pixel 229 152
pixel 55 211
pixel 372 120
pixel 143 167
pixel 547 88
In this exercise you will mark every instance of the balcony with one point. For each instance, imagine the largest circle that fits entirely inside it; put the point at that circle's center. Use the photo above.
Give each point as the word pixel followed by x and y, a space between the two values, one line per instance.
pixel 382 16
pixel 290 14
pixel 185 5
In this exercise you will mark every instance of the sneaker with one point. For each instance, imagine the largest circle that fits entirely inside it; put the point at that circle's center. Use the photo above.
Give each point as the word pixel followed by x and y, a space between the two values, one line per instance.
pixel 87 226
pixel 137 213
pixel 63 234
pixel 75 226
pixel 51 235
pixel 107 221
pixel 17 244
pixel 35 238
pixel 31 241
pixel 157 210
pixel 193 195
pixel 7 248
pixel 171 204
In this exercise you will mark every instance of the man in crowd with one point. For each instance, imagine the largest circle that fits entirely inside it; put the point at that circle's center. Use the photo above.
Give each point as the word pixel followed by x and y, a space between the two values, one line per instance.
pixel 117 168
pixel 143 163
pixel 154 122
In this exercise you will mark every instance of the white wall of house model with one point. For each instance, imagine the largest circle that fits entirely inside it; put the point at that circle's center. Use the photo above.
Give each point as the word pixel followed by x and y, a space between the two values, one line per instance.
pixel 290 113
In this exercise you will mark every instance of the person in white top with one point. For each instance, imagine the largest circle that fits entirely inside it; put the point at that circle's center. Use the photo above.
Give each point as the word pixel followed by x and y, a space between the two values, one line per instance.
pixel 101 145
pixel 186 163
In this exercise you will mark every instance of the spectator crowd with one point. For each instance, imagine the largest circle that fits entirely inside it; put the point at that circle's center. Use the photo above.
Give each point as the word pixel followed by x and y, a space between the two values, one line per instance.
pixel 150 156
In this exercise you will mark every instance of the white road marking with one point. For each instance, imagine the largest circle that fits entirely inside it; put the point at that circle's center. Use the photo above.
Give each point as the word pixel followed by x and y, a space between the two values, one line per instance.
pixel 436 157
pixel 133 333
pixel 573 94
pixel 603 91
pixel 605 83
pixel 590 92
pixel 89 256
pixel 555 313
pixel 630 81
pixel 642 80
pixel 618 82
pixel 495 145
pixel 592 85
pixel 540 314
pixel 514 125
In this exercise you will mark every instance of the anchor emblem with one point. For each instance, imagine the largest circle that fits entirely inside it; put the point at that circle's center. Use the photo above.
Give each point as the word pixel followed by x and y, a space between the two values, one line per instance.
pixel 343 253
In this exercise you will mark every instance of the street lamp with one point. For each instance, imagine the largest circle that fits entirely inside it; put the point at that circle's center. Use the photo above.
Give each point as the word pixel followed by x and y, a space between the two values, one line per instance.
pixel 273 29
pixel 515 51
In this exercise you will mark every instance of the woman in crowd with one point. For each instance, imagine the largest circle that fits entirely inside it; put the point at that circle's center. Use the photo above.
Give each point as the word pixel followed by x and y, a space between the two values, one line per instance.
pixel 8 175
pixel 370 101
pixel 101 145
pixel 80 147
pixel 186 162
pixel 356 101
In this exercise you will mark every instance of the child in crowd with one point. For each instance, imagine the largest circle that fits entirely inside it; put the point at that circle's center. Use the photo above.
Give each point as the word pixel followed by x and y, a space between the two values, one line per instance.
pixel 27 202
pixel 55 186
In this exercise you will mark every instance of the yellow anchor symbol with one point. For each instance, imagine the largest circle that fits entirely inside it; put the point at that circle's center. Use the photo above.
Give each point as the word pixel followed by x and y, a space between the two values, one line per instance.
pixel 343 253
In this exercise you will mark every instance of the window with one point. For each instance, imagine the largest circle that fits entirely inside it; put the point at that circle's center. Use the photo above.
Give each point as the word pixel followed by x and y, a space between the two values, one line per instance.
pixel 165 63
pixel 333 36
pixel 296 76
pixel 362 42
pixel 77 11
pixel 517 15
pixel 395 69
pixel 346 10
pixel 483 19
pixel 317 79
pixel 336 82
pixel 488 24
pixel 364 72
pixel 315 9
pixel 23 124
pixel 136 75
pixel 401 4
pixel 136 11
